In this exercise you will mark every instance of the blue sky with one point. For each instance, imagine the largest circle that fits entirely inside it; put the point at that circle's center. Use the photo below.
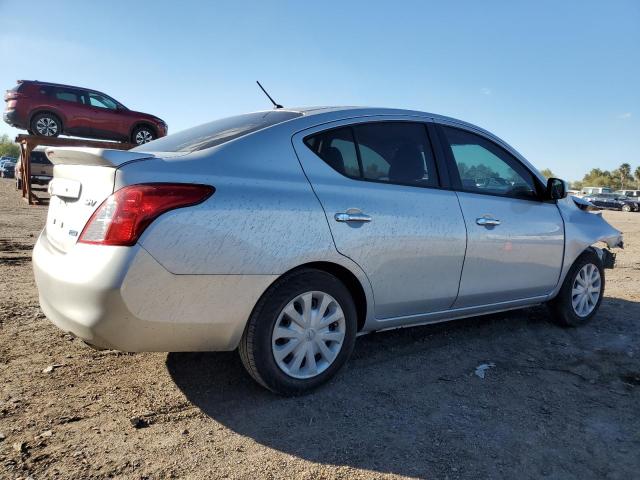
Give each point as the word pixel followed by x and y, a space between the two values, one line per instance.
pixel 560 81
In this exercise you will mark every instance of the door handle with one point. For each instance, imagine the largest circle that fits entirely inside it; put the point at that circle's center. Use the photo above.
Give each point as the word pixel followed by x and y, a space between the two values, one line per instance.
pixel 487 221
pixel 352 217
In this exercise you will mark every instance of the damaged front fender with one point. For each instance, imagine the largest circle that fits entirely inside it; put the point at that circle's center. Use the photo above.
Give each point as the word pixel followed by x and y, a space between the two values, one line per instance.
pixel 583 229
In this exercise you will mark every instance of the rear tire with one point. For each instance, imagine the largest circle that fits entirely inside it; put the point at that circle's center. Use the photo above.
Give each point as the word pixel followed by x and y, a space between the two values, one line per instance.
pixel 626 208
pixel 581 294
pixel 309 352
pixel 46 125
pixel 18 184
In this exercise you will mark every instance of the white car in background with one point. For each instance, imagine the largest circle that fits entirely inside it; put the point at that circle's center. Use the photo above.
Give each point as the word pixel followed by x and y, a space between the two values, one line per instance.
pixel 41 168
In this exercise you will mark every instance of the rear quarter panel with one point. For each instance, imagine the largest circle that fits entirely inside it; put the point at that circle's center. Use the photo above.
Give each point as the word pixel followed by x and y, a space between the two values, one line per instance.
pixel 263 218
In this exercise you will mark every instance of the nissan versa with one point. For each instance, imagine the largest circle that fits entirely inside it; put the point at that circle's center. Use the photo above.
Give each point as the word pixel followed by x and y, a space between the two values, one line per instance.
pixel 287 233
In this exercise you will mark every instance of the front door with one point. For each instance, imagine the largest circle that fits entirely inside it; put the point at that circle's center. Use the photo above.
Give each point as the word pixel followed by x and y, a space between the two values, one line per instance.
pixel 379 187
pixel 106 120
pixel 515 239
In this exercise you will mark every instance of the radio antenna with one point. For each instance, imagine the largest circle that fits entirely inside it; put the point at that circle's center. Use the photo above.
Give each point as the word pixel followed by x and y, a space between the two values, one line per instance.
pixel 275 105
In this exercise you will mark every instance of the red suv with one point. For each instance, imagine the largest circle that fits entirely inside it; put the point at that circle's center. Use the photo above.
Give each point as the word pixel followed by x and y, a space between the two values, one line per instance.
pixel 50 109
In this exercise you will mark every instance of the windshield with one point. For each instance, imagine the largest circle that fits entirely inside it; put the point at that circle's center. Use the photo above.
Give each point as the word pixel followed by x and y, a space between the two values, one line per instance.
pixel 217 132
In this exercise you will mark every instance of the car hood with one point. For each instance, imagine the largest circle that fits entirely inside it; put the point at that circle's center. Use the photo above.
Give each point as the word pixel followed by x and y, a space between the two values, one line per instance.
pixel 147 116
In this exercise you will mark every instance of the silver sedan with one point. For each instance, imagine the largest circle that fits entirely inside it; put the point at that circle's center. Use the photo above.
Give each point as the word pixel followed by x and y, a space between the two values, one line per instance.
pixel 285 234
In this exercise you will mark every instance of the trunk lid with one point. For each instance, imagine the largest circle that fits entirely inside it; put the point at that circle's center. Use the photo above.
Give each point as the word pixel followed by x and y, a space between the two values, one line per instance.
pixel 82 179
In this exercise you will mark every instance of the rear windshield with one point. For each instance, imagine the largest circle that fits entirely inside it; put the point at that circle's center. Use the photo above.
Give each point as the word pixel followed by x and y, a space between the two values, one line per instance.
pixel 217 132
pixel 39 157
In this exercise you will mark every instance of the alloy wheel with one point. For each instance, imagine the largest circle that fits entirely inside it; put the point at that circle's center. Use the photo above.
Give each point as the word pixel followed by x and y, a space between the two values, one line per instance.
pixel 586 290
pixel 143 136
pixel 308 335
pixel 47 126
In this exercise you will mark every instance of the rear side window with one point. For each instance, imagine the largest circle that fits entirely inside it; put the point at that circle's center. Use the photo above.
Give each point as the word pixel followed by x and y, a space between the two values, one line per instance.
pixel 484 167
pixel 68 95
pixel 217 132
pixel 390 152
pixel 338 149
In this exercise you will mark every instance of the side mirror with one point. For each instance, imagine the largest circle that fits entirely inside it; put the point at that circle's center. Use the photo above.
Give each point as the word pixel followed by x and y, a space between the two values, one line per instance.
pixel 556 189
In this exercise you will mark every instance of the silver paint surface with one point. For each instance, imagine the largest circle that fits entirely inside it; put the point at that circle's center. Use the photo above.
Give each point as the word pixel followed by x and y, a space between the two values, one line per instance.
pixel 412 249
pixel 196 273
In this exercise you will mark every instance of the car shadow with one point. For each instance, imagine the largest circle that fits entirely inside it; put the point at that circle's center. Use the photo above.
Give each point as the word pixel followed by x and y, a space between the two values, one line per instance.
pixel 409 401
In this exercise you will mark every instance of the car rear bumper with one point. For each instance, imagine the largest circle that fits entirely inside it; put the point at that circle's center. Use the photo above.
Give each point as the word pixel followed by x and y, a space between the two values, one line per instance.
pixel 41 179
pixel 122 298
pixel 12 118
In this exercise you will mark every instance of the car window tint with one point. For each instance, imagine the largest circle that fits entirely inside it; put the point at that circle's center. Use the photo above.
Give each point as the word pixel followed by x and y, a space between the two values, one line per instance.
pixel 217 132
pixel 396 152
pixel 68 95
pixel 100 101
pixel 337 148
pixel 39 158
pixel 484 167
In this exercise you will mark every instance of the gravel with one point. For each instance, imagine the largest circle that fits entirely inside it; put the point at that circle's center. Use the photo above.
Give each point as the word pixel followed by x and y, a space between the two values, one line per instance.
pixel 557 403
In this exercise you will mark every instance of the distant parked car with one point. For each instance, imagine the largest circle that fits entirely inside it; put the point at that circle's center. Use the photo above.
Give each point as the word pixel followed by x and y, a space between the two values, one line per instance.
pixel 595 190
pixel 633 194
pixel 287 233
pixel 7 168
pixel 49 109
pixel 41 168
pixel 614 202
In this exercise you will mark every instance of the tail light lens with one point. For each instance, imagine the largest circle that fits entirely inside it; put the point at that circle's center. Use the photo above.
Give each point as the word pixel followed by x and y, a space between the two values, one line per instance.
pixel 12 95
pixel 122 217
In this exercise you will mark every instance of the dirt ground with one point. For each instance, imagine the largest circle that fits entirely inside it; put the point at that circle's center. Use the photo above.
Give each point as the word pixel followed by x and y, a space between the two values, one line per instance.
pixel 559 403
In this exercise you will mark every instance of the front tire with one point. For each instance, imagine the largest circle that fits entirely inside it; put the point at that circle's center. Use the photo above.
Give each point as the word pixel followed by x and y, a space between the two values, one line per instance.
pixel 581 294
pixel 143 134
pixel 626 208
pixel 300 333
pixel 46 125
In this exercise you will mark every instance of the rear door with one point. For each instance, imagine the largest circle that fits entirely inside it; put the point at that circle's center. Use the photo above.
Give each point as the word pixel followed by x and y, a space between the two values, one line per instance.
pixel 71 101
pixel 379 186
pixel 515 241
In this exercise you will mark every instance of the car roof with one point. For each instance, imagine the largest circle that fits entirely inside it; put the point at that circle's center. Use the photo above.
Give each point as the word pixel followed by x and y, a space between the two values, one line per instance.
pixel 51 84
pixel 324 114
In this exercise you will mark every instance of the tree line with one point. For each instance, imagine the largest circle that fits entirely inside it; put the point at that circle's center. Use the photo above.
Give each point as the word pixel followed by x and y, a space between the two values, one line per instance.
pixel 619 179
pixel 7 147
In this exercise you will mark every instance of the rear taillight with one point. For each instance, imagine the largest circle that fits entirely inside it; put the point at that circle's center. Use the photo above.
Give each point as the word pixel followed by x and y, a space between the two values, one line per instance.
pixel 11 95
pixel 122 217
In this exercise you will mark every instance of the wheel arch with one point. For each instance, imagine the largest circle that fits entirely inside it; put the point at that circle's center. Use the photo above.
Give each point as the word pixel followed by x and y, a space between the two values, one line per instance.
pixel 52 111
pixel 348 278
pixel 141 123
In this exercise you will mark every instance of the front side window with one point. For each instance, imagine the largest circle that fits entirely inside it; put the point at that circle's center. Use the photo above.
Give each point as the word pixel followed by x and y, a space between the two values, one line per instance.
pixel 390 152
pixel 100 101
pixel 484 167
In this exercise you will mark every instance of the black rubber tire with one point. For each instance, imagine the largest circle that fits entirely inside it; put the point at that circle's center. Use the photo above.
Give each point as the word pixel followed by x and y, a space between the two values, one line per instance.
pixel 255 345
pixel 51 116
pixel 18 184
pixel 626 208
pixel 139 129
pixel 561 307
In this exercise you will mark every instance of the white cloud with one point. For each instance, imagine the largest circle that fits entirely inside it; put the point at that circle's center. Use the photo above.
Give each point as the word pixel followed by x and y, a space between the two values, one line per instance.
pixel 624 115
pixel 485 91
